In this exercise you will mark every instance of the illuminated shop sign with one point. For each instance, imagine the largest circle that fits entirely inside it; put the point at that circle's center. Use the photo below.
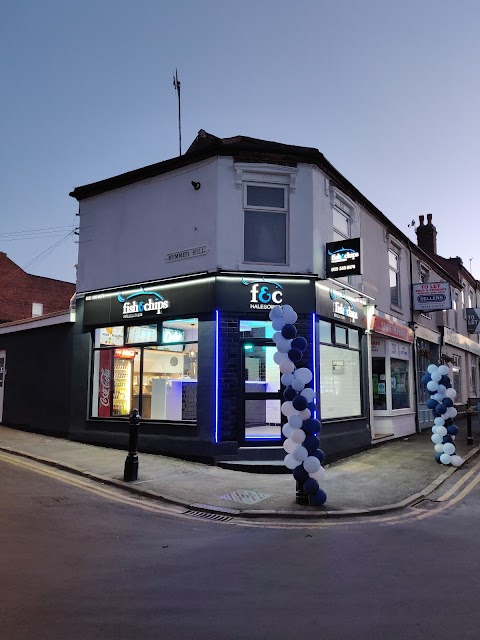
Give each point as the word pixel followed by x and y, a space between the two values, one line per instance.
pixel 264 294
pixel 135 305
pixel 339 303
pixel 343 258
pixel 343 308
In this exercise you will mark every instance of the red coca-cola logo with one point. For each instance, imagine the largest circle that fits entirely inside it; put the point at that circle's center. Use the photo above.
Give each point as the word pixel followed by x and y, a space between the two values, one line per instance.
pixel 105 377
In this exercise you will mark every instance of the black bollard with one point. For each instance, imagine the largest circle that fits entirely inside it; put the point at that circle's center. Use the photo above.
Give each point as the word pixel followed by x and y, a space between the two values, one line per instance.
pixel 131 463
pixel 469 427
pixel 301 497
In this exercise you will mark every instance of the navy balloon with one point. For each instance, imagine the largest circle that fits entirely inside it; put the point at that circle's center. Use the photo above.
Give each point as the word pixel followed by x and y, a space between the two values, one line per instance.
pixel 311 443
pixel 445 380
pixel 289 331
pixel 300 474
pixel 311 426
pixel 311 486
pixel 452 430
pixel 448 402
pixel 295 355
pixel 300 403
pixel 448 422
pixel 426 379
pixel 319 454
pixel 312 406
pixel 440 409
pixel 437 457
pixel 431 403
pixel 289 394
pixel 447 438
pixel 317 499
pixel 299 343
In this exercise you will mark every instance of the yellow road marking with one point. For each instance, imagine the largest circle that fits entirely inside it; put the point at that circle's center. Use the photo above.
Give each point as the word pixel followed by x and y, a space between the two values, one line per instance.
pixel 458 484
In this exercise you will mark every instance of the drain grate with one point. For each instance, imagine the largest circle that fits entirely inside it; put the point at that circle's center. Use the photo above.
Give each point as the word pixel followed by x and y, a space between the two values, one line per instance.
pixel 207 516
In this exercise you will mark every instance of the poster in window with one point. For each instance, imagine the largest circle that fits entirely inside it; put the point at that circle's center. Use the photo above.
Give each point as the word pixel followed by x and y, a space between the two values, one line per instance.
pixel 110 337
pixel 338 367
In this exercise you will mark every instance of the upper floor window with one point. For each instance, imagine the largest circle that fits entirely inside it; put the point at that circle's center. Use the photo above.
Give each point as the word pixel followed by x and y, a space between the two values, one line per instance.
pixel 265 224
pixel 341 220
pixel 37 309
pixel 393 264
pixel 455 310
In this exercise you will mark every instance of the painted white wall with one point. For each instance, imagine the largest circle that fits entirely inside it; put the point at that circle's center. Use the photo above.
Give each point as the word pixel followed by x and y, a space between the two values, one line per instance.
pixel 125 234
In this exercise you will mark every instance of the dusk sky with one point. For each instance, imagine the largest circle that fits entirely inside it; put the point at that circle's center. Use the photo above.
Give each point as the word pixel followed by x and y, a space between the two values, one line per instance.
pixel 388 91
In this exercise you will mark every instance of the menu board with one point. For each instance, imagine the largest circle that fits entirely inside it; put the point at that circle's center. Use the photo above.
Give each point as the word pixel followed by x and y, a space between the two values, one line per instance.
pixel 110 337
pixel 142 333
pixel 172 335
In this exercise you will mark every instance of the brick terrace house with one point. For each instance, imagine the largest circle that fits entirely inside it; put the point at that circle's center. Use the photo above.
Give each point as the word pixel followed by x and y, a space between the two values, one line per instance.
pixel 25 296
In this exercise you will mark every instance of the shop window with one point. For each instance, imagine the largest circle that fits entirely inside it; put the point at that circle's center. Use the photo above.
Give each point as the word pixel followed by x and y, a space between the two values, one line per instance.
pixel 457 377
pixel 379 383
pixel 256 329
pixel 160 380
pixel 340 376
pixel 473 377
pixel 399 378
pixel 265 224
pixel 393 263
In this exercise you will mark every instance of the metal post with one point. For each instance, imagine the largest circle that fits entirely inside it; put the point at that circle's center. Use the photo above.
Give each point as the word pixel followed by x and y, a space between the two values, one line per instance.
pixel 131 463
pixel 301 497
pixel 469 427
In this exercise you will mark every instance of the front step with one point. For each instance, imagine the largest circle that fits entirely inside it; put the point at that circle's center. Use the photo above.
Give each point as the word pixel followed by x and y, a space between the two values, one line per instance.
pixel 255 466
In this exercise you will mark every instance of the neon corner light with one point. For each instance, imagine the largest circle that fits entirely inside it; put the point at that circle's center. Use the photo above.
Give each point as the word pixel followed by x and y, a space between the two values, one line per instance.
pixel 314 359
pixel 217 334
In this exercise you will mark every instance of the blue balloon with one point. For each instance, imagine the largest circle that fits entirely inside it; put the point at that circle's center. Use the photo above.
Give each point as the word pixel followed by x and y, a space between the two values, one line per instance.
pixel 311 486
pixel 312 406
pixel 295 355
pixel 447 438
pixel 440 409
pixel 448 385
pixel 448 422
pixel 289 331
pixel 448 402
pixel 311 443
pixel 437 457
pixel 311 426
pixel 299 343
pixel 300 403
pixel 431 403
pixel 319 454
pixel 300 474
pixel 452 430
pixel 317 499
pixel 289 394
pixel 426 379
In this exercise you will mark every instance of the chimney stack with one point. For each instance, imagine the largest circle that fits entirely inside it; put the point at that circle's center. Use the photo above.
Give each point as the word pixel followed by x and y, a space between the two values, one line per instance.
pixel 426 235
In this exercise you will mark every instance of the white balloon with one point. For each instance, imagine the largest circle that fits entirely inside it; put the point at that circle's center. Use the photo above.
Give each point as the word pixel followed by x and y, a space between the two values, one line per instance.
pixel 290 461
pixel 301 454
pixel 441 431
pixel 275 312
pixel 445 458
pixel 451 412
pixel 284 346
pixel 278 323
pixel 431 386
pixel 443 370
pixel 456 461
pixel 287 379
pixel 279 357
pixel 289 314
pixel 308 393
pixel 439 448
pixel 453 437
pixel 287 366
pixel 434 428
pixel 298 436
pixel 436 439
pixel 311 464
pixel 436 376
pixel 432 368
pixel 305 414
pixel 287 430
pixel 297 384
pixel 304 374
pixel 451 393
pixel 318 475
pixel 288 409
pixel 439 421
pixel 277 336
pixel 289 445
pixel 449 448
pixel 295 421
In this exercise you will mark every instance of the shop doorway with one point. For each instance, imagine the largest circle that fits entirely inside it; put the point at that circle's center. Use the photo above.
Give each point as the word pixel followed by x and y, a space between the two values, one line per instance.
pixel 261 392
pixel 3 357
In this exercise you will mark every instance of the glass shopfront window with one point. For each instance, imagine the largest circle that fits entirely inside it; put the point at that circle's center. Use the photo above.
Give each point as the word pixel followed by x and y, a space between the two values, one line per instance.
pixel 340 376
pixel 153 368
pixel 399 372
pixel 379 384
pixel 390 375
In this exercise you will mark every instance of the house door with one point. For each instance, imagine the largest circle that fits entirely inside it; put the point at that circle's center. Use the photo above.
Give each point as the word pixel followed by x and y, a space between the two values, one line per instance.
pixel 261 392
pixel 3 356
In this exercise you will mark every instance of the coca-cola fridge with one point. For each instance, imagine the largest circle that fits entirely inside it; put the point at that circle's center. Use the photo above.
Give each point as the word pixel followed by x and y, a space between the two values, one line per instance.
pixel 123 381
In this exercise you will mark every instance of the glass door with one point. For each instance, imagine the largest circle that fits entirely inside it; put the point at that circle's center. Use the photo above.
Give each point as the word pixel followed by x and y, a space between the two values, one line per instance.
pixel 261 392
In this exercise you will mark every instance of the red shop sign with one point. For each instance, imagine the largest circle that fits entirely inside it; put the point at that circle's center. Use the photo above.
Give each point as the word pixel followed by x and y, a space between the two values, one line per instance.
pixel 392 329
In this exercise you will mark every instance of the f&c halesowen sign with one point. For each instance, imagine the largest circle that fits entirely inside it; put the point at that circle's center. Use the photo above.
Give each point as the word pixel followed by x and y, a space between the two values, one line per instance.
pixel 343 258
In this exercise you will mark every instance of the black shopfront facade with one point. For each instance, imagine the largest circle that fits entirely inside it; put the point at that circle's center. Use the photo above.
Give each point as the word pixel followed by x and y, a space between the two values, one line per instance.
pixel 195 356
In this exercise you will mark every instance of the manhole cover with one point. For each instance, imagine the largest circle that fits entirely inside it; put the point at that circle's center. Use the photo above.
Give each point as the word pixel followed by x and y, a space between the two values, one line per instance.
pixel 247 496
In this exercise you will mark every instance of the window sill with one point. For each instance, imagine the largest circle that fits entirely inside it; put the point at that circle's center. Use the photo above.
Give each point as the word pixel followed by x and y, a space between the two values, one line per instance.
pixel 399 310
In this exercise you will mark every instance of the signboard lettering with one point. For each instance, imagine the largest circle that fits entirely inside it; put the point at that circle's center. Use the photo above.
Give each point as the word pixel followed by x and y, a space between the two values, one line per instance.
pixel 431 296
pixel 343 258
pixel 473 320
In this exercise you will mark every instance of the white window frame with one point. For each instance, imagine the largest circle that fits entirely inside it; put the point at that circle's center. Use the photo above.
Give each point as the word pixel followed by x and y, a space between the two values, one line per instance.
pixel 39 306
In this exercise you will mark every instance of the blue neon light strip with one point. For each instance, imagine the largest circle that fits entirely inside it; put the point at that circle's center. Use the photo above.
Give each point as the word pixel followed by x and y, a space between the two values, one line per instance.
pixel 314 359
pixel 217 333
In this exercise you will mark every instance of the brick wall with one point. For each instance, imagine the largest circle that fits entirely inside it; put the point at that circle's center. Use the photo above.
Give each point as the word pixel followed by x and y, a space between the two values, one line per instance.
pixel 18 290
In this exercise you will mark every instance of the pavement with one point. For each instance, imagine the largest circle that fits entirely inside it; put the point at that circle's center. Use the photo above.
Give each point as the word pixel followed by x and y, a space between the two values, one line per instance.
pixel 388 477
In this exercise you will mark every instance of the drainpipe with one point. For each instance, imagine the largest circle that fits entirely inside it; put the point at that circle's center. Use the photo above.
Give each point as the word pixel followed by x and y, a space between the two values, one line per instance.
pixel 414 346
